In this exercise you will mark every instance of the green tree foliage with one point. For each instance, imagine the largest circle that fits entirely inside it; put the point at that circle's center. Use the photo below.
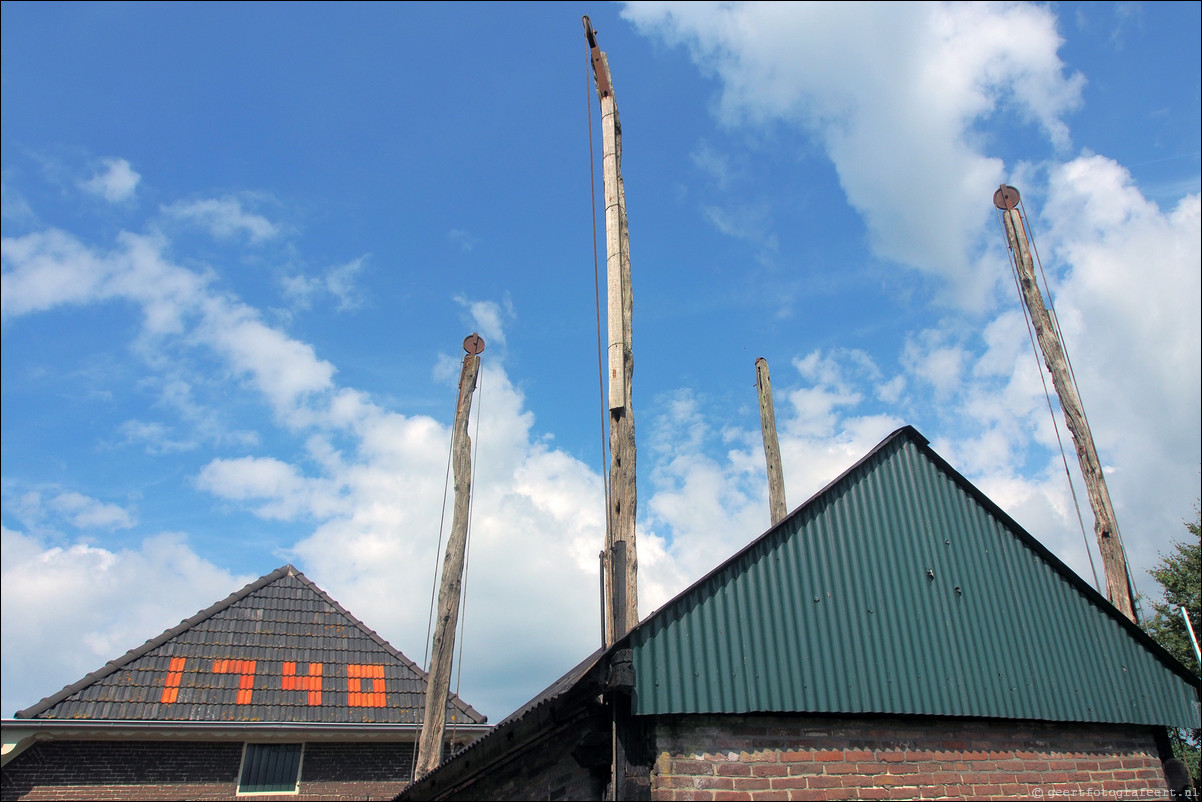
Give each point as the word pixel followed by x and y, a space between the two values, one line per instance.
pixel 1180 577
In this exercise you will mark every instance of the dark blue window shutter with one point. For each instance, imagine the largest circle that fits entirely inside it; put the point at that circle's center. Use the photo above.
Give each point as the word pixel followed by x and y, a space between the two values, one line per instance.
pixel 270 768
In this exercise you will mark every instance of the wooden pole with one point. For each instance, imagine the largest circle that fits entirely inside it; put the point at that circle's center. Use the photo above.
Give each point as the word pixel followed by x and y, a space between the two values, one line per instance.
pixel 621 587
pixel 776 475
pixel 429 750
pixel 1114 561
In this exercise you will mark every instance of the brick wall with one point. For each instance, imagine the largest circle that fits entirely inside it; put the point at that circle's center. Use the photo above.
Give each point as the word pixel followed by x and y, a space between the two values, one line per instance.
pixel 123 770
pixel 782 758
pixel 168 770
pixel 338 771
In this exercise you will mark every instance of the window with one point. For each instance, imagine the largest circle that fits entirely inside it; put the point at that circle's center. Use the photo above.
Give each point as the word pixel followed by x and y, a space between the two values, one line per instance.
pixel 270 769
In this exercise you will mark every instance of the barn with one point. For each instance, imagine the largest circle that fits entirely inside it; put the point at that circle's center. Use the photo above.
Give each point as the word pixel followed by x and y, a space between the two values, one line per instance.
pixel 898 636
pixel 275 690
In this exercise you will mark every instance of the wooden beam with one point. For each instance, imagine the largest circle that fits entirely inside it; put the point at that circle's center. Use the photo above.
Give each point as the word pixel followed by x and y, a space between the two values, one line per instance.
pixel 617 257
pixel 429 751
pixel 776 476
pixel 1114 562
pixel 621 583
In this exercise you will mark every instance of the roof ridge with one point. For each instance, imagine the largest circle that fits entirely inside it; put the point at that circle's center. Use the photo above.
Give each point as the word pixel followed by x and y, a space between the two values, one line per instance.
pixel 565 683
pixel 908 432
pixel 133 654
pixel 388 647
pixel 287 570
pixel 1075 580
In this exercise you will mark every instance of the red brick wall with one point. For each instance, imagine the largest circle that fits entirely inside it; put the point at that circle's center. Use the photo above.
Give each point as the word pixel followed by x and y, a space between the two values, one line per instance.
pixel 168 770
pixel 770 758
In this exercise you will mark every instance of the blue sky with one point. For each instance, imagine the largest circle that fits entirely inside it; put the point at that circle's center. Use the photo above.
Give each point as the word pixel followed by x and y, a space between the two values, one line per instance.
pixel 243 243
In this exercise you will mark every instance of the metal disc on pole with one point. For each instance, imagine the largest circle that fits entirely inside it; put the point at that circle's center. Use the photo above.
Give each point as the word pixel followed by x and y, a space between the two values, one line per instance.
pixel 474 344
pixel 1006 197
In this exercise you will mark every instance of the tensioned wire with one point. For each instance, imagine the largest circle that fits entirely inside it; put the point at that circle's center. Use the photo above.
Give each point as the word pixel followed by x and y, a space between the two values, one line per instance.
pixel 475 445
pixel 592 178
pixel 1048 397
pixel 1073 377
pixel 467 543
pixel 446 481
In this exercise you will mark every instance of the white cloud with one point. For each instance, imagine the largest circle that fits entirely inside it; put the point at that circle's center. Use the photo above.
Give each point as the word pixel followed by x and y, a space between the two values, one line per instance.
pixel 117 183
pixel 156 437
pixel 224 218
pixel 45 509
pixel 13 205
pixel 710 507
pixel 535 532
pixel 88 513
pixel 67 611
pixel 706 495
pixel 461 240
pixel 714 163
pixel 203 423
pixel 46 269
pixel 371 479
pixel 1128 308
pixel 930 357
pixel 1126 288
pixel 488 318
pixel 51 268
pixel 338 281
pixel 374 501
pixel 285 370
pixel 752 223
pixel 893 93
pixel 898 95
pixel 815 407
pixel 286 494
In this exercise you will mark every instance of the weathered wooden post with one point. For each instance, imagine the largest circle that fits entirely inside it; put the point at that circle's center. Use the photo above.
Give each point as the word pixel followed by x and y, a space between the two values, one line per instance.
pixel 1114 561
pixel 438 684
pixel 621 587
pixel 630 769
pixel 776 475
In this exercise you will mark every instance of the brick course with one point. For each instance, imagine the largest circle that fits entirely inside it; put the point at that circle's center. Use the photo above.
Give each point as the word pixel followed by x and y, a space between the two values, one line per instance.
pixel 64 770
pixel 708 757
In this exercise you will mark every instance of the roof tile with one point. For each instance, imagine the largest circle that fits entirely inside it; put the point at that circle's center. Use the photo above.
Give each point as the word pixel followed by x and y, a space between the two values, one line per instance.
pixel 279 649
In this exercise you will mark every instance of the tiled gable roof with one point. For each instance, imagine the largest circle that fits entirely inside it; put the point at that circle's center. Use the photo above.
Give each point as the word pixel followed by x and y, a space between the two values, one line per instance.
pixel 279 650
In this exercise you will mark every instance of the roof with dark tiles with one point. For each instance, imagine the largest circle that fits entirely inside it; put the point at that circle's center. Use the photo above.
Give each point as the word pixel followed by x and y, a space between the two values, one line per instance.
pixel 278 650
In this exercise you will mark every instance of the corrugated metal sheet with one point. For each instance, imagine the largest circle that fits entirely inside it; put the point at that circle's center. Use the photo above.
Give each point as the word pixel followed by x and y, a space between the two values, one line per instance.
pixel 279 650
pixel 901 589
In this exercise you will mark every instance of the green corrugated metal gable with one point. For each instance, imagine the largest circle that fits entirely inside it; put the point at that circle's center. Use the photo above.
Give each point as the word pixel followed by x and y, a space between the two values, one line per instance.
pixel 901 589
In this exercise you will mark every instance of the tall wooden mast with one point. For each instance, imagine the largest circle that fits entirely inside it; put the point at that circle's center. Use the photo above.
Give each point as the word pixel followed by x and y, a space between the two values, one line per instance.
pixel 438 686
pixel 1114 561
pixel 621 590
